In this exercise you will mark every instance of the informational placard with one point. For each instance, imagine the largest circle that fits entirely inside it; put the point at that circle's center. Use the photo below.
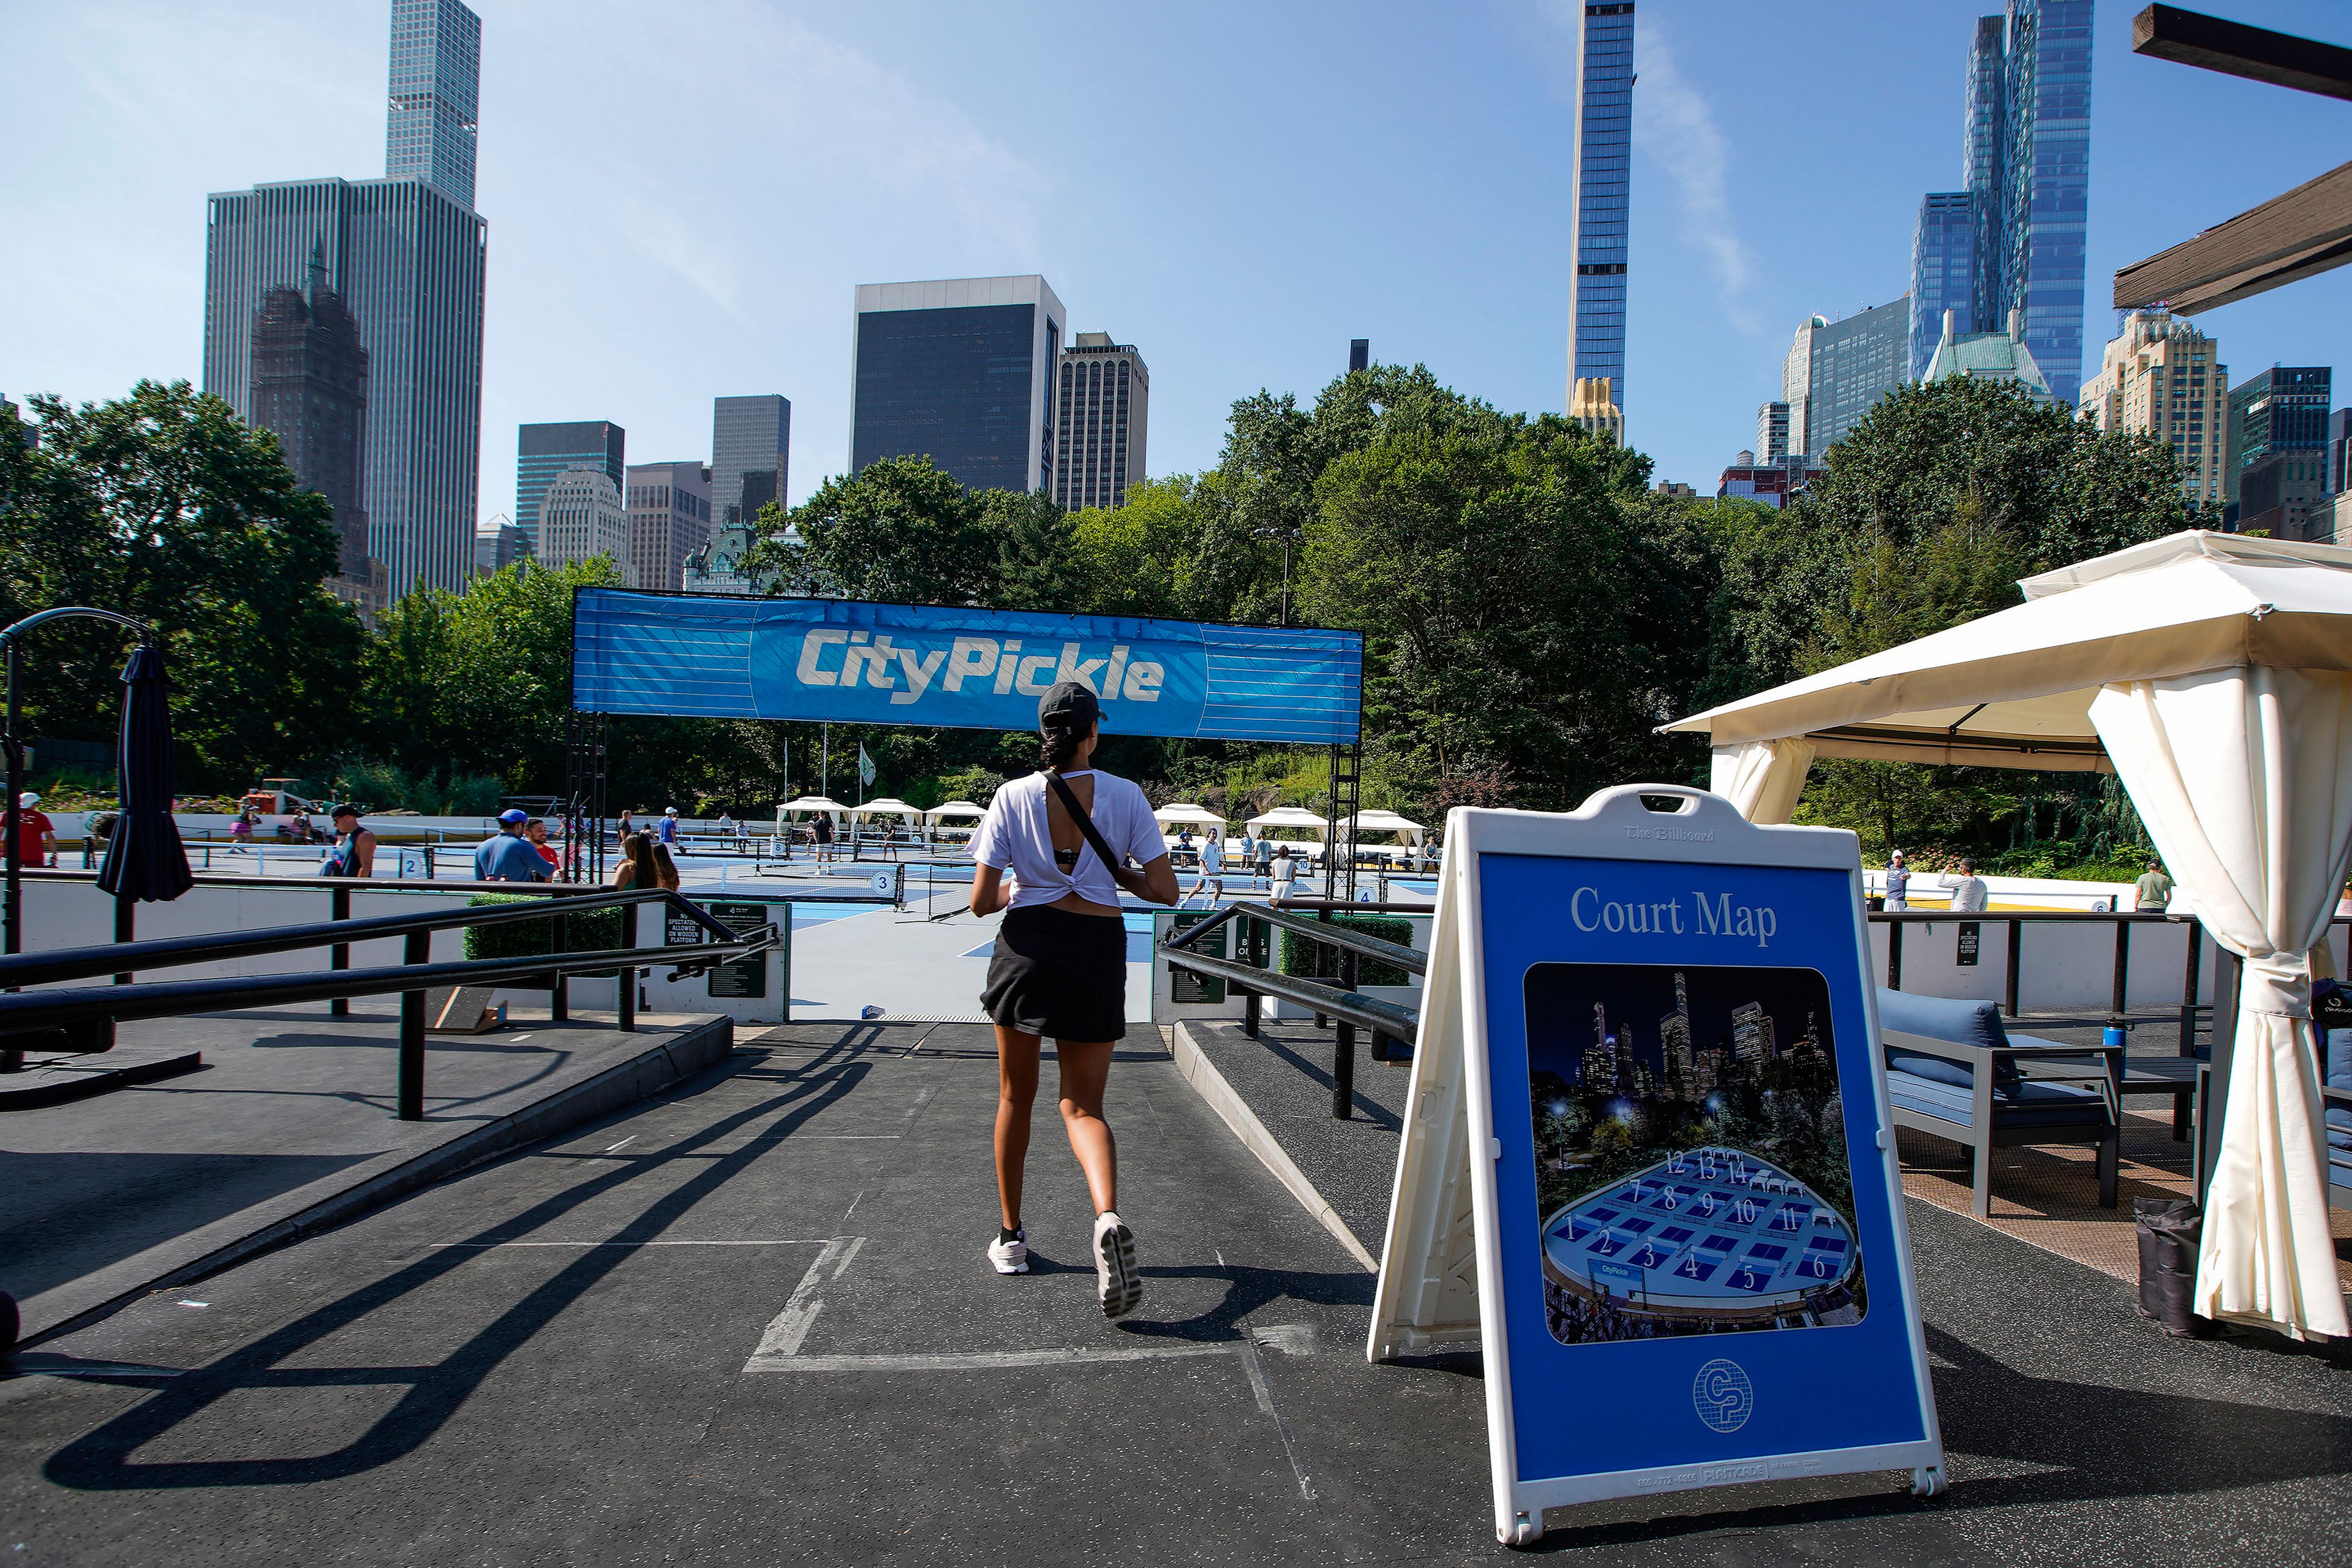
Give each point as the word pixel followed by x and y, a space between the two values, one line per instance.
pixel 1185 987
pixel 836 660
pixel 1647 1162
pixel 1971 942
pixel 745 977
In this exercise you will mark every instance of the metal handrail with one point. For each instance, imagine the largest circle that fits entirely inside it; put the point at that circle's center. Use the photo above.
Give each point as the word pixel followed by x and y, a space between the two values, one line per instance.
pixel 165 953
pixel 1353 1007
pixel 1410 959
pixel 27 1011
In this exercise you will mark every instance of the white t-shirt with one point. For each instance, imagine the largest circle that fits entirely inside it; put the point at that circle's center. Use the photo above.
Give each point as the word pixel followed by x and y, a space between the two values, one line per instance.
pixel 1212 858
pixel 1014 837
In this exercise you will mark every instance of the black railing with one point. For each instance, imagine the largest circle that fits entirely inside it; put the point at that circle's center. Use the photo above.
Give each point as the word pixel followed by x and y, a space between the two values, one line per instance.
pixel 1343 1003
pixel 33 1012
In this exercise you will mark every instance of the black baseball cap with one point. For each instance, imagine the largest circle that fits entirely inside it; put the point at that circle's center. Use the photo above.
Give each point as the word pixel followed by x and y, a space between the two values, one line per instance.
pixel 1071 705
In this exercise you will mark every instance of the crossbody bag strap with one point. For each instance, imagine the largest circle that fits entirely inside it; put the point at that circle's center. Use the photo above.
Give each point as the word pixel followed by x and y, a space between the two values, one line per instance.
pixel 1087 827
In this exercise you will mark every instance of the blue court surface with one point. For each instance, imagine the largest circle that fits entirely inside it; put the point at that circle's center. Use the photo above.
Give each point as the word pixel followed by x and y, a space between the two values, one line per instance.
pixel 1706 1234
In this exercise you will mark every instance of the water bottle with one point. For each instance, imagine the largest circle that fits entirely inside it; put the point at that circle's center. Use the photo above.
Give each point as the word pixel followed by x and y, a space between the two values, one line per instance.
pixel 2113 1038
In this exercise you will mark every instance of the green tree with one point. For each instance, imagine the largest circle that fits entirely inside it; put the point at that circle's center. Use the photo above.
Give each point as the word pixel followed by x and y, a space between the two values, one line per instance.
pixel 165 506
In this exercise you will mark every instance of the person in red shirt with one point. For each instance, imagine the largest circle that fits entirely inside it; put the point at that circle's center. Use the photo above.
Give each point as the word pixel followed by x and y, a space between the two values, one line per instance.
pixel 37 837
pixel 536 831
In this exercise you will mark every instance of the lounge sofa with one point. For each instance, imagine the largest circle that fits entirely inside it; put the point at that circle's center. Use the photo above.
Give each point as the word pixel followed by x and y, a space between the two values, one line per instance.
pixel 1952 1070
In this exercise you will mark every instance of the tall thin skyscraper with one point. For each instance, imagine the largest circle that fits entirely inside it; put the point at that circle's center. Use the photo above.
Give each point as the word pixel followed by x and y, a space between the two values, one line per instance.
pixel 1598 194
pixel 437 72
pixel 310 387
pixel 1103 394
pixel 748 436
pixel 406 257
pixel 959 370
pixel 2028 157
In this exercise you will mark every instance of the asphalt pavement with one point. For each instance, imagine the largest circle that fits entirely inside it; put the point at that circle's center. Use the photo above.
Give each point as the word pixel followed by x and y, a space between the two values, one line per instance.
pixel 749 1322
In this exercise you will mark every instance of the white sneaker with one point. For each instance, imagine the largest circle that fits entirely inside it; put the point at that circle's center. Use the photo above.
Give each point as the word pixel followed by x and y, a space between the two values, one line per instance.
pixel 1116 1278
pixel 1010 1256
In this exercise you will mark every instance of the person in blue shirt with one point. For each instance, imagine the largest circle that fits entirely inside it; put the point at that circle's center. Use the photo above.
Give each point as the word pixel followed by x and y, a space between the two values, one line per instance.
pixel 507 856
pixel 667 832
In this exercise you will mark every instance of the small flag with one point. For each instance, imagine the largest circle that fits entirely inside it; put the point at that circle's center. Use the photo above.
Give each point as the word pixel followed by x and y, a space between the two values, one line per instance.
pixel 865 767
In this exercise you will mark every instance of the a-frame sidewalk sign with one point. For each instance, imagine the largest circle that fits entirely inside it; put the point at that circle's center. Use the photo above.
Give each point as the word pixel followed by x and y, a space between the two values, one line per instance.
pixel 1648 1163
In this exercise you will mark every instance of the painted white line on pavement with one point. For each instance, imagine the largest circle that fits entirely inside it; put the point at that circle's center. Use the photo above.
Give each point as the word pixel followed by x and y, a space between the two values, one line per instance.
pixel 493 1245
pixel 979 1361
pixel 621 1144
pixel 788 1328
pixel 1252 1364
pixel 842 1267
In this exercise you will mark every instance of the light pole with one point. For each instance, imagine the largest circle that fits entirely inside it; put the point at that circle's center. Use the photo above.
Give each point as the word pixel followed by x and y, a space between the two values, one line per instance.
pixel 1289 537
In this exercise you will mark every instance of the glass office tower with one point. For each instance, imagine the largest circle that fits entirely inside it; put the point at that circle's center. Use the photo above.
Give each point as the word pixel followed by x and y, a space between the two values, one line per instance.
pixel 407 256
pixel 748 436
pixel 1943 271
pixel 542 452
pixel 2030 85
pixel 961 371
pixel 2282 409
pixel 436 71
pixel 1599 194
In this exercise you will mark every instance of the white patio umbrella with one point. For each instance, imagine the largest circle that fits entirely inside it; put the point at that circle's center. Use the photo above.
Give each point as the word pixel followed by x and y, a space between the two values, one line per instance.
pixel 2213 673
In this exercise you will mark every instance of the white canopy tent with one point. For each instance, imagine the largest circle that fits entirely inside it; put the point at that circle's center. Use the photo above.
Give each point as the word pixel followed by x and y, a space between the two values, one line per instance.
pixel 1406 829
pixel 810 805
pixel 1292 817
pixel 1177 814
pixel 2213 673
pixel 886 806
pixel 956 810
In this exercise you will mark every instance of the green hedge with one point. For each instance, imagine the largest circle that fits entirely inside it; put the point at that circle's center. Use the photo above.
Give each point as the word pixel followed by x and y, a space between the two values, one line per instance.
pixel 590 931
pixel 1305 957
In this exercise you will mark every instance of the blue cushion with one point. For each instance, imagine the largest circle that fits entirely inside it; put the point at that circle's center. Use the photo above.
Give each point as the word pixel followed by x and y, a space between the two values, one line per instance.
pixel 1941 1018
pixel 2340 1058
pixel 2031 1104
pixel 1935 1069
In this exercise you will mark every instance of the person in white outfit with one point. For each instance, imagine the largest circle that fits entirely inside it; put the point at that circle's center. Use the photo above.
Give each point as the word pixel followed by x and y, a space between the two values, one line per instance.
pixel 1968 889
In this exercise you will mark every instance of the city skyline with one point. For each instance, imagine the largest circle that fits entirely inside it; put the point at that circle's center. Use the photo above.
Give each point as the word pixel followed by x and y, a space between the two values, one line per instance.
pixel 977 172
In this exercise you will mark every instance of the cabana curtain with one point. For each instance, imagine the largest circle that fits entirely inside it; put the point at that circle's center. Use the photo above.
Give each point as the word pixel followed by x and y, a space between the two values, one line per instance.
pixel 2244 779
pixel 1762 778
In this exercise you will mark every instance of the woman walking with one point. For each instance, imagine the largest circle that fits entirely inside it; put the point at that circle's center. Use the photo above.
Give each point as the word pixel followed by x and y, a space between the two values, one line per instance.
pixel 1051 853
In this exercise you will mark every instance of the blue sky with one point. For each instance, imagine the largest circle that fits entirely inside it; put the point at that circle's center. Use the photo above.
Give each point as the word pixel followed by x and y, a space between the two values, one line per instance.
pixel 682 198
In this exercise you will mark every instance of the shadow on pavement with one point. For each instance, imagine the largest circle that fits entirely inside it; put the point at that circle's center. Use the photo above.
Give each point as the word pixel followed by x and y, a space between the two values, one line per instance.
pixel 100 1459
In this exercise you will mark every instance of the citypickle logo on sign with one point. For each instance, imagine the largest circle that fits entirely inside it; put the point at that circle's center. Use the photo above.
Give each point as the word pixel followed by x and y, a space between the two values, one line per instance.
pixel 839 656
pixel 1723 1396
pixel 844 662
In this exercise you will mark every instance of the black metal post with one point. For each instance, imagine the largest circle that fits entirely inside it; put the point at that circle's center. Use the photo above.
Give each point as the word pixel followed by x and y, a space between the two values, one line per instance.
pixel 1322 1020
pixel 559 997
pixel 2189 988
pixel 411 1105
pixel 339 955
pixel 2016 956
pixel 2212 1111
pixel 629 976
pixel 1895 955
pixel 1343 1050
pixel 12 918
pixel 2120 999
pixel 126 929
pixel 1246 934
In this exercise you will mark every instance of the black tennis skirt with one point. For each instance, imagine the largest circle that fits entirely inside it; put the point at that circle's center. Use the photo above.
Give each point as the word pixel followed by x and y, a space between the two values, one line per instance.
pixel 1059 972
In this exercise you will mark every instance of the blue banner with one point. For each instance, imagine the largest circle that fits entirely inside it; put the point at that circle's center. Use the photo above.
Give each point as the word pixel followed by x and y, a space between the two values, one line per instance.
pixel 834 659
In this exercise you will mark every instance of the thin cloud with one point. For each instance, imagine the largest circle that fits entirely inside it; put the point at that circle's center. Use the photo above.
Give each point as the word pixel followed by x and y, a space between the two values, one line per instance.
pixel 1673 124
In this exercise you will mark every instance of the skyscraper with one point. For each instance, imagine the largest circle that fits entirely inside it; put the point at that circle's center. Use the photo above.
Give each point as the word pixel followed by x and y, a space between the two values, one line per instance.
pixel 1835 370
pixel 1598 194
pixel 1943 271
pixel 2026 153
pixel 2282 409
pixel 1771 432
pixel 581 517
pixel 1988 357
pixel 406 258
pixel 1588 405
pixel 437 72
pixel 1103 396
pixel 543 451
pixel 2162 377
pixel 748 435
pixel 310 387
pixel 669 520
pixel 1360 355
pixel 959 370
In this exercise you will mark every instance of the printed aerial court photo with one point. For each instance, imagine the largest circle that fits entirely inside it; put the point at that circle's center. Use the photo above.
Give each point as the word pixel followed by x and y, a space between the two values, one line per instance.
pixel 1691 1170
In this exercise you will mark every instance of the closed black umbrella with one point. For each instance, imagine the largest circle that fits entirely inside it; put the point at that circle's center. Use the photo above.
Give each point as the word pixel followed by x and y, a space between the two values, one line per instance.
pixel 144 861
